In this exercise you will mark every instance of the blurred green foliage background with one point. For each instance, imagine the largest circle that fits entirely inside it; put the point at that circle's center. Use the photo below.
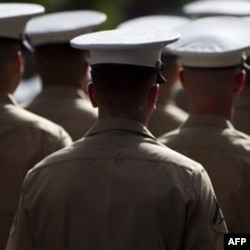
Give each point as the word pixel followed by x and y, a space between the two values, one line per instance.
pixel 116 10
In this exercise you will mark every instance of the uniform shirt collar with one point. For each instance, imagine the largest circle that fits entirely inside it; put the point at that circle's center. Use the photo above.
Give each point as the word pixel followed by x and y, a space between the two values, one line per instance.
pixel 6 98
pixel 119 124
pixel 207 120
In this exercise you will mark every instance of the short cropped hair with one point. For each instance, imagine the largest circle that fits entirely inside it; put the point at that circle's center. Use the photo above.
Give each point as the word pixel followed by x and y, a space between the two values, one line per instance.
pixel 55 51
pixel 122 88
pixel 59 61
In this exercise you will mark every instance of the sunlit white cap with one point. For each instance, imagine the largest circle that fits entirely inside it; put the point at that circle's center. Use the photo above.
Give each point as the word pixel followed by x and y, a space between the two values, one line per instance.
pixel 131 46
pixel 14 17
pixel 167 22
pixel 138 47
pixel 212 42
pixel 218 7
pixel 247 18
pixel 153 21
pixel 61 27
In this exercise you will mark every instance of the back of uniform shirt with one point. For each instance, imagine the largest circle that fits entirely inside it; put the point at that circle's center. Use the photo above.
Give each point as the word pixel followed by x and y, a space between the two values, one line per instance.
pixel 66 106
pixel 132 193
pixel 25 139
pixel 225 154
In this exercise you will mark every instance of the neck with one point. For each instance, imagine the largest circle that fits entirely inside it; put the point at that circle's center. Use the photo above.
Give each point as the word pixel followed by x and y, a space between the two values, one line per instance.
pixel 104 114
pixel 221 107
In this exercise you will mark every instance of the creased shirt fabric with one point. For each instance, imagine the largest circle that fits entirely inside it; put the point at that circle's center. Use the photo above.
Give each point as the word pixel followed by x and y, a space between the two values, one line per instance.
pixel 66 106
pixel 225 154
pixel 165 118
pixel 25 139
pixel 117 188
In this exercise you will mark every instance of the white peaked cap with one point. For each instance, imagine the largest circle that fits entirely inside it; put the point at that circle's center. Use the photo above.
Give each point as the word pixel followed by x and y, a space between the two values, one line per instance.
pixel 153 21
pixel 168 22
pixel 61 27
pixel 141 47
pixel 218 7
pixel 247 18
pixel 212 42
pixel 14 17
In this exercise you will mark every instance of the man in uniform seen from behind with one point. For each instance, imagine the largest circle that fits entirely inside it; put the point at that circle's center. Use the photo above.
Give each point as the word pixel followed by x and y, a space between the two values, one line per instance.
pixel 25 138
pixel 167 115
pixel 63 69
pixel 211 53
pixel 241 119
pixel 198 9
pixel 118 187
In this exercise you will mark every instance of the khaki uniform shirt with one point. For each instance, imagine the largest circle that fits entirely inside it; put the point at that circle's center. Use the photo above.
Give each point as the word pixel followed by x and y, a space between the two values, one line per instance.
pixel 118 188
pixel 165 118
pixel 25 139
pixel 225 154
pixel 66 106
pixel 242 115
pixel 28 89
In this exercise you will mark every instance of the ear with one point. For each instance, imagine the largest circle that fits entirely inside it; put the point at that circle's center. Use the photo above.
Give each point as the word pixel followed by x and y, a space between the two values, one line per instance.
pixel 91 94
pixel 16 68
pixel 176 70
pixel 240 81
pixel 182 78
pixel 85 69
pixel 152 97
pixel 18 64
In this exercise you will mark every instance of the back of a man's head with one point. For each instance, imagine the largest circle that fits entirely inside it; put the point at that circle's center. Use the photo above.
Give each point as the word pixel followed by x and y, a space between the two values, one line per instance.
pixel 208 80
pixel 122 89
pixel 60 64
pixel 14 17
pixel 126 66
pixel 212 90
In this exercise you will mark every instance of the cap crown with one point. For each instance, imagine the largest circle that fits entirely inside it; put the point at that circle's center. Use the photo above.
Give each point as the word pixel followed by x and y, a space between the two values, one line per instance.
pixel 131 46
pixel 61 27
pixel 154 21
pixel 218 7
pixel 14 17
pixel 212 42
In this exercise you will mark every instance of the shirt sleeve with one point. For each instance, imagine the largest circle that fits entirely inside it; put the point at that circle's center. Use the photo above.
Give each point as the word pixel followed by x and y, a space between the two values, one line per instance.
pixel 205 224
pixel 20 236
pixel 54 142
